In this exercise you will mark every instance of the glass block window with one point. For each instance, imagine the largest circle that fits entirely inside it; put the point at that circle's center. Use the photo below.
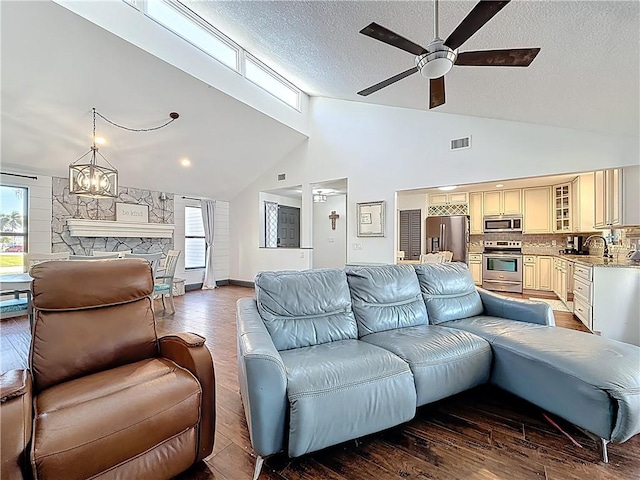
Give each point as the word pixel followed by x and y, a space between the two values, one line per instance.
pixel 195 247
pixel 271 224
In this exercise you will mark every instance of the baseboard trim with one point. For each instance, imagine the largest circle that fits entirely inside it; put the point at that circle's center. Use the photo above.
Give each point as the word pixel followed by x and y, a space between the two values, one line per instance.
pixel 221 283
pixel 242 283
pixel 539 293
pixel 192 286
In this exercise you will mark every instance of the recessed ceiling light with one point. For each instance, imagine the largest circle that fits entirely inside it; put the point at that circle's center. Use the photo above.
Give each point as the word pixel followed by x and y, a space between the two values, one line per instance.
pixel 100 140
pixel 446 189
pixel 185 162
pixel 499 185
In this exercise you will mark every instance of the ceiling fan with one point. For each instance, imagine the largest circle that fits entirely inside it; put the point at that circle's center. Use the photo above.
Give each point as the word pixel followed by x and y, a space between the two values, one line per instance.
pixel 440 56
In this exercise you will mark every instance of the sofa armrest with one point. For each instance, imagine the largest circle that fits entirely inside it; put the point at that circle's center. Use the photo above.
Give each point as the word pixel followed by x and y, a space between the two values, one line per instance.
pixel 263 381
pixel 15 422
pixel 516 309
pixel 189 351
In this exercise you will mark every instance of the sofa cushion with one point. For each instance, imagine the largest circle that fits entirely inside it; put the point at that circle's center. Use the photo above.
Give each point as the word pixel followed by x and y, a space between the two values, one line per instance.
pixel 489 327
pixel 305 308
pixel 385 297
pixel 112 417
pixel 344 390
pixel 448 291
pixel 444 361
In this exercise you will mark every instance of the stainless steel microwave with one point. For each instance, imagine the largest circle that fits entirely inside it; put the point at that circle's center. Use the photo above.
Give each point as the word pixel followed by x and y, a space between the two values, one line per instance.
pixel 502 223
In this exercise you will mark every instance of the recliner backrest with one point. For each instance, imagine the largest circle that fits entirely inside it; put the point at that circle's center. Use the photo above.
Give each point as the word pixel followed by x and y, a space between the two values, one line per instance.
pixel 89 316
pixel 385 297
pixel 448 291
pixel 305 308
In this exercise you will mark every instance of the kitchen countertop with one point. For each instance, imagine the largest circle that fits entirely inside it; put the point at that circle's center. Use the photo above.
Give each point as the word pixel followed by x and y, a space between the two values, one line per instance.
pixel 588 260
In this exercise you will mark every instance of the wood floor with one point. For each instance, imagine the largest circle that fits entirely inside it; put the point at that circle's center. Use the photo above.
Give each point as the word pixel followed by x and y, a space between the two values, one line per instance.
pixel 484 433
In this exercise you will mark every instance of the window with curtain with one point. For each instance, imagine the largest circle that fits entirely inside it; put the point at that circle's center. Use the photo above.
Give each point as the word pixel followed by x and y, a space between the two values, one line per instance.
pixel 195 246
pixel 13 228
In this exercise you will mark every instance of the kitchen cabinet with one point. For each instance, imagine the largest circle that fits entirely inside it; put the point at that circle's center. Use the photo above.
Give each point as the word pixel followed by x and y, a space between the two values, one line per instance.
pixel 503 202
pixel 475 267
pixel 536 217
pixel 582 203
pixel 617 196
pixel 475 213
pixel 582 297
pixel 529 272
pixel 446 198
pixel 544 268
pixel 562 208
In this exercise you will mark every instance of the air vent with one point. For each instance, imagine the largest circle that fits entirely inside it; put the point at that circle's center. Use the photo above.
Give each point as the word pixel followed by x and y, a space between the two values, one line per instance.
pixel 460 143
pixel 282 176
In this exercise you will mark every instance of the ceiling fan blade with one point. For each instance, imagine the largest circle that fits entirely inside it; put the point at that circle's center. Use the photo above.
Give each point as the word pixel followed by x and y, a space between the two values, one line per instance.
pixel 387 36
pixel 436 92
pixel 517 57
pixel 481 14
pixel 387 82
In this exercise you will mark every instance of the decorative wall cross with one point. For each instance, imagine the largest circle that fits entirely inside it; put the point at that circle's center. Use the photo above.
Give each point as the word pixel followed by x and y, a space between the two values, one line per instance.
pixel 334 216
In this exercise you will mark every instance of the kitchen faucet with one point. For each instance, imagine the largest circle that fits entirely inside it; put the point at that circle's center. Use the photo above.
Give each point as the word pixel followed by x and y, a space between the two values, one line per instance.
pixel 604 240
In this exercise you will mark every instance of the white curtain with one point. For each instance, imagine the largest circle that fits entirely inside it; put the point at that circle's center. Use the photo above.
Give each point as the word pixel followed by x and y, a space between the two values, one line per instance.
pixel 208 215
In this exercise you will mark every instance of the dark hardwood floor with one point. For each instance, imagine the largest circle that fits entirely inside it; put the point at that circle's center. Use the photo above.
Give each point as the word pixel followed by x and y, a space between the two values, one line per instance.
pixel 484 433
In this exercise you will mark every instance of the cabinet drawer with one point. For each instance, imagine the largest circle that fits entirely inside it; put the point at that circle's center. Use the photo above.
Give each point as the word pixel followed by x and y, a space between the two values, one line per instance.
pixel 529 259
pixel 475 257
pixel 582 289
pixel 583 272
pixel 583 312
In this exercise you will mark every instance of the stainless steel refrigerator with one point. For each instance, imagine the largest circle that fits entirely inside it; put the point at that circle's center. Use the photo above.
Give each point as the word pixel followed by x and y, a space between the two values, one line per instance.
pixel 450 234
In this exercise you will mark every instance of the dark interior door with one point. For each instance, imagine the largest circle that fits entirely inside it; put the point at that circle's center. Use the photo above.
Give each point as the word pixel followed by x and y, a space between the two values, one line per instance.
pixel 410 233
pixel 288 227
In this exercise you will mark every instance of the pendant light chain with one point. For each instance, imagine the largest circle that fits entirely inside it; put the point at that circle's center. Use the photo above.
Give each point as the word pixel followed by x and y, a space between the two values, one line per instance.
pixel 173 116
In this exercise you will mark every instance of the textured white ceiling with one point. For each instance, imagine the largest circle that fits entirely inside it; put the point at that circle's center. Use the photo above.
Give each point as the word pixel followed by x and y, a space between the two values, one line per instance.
pixel 585 77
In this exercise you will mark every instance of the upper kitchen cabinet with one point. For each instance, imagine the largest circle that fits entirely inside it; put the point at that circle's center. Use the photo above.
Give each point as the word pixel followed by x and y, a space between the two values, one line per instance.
pixel 562 208
pixel 446 198
pixel 582 203
pixel 536 217
pixel 503 202
pixel 617 197
pixel 475 213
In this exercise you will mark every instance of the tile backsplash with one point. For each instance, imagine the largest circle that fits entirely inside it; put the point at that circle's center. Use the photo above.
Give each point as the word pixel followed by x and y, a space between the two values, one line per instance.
pixel 620 242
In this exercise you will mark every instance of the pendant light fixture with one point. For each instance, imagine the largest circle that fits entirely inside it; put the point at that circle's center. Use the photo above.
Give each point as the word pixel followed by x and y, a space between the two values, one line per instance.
pixel 100 181
pixel 91 179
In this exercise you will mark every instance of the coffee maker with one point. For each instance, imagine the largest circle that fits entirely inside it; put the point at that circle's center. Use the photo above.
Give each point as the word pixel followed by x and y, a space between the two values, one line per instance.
pixel 575 245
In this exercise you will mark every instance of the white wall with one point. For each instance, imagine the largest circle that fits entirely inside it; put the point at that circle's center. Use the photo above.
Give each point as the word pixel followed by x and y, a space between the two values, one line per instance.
pixel 330 246
pixel 384 149
pixel 413 201
pixel 40 209
pixel 221 240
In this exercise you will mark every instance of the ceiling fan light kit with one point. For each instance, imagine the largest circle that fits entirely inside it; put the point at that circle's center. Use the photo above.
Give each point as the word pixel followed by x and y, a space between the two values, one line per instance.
pixel 435 61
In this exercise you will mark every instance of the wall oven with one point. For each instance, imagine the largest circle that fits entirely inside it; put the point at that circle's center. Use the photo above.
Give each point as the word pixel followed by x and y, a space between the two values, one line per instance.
pixel 502 223
pixel 502 266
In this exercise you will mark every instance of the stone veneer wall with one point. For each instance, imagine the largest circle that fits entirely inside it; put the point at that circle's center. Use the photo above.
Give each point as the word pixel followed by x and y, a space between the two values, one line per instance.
pixel 66 205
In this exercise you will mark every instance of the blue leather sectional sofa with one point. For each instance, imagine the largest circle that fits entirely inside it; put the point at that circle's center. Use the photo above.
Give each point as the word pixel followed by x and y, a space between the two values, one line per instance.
pixel 326 356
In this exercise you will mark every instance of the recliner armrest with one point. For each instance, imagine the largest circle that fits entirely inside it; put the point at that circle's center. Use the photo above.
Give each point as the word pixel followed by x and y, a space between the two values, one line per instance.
pixel 516 309
pixel 189 351
pixel 263 381
pixel 15 422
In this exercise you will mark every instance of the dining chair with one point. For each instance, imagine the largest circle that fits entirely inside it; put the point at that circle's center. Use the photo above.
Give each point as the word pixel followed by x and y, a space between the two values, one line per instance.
pixel 431 257
pixel 119 253
pixel 153 258
pixel 447 256
pixel 164 280
pixel 32 259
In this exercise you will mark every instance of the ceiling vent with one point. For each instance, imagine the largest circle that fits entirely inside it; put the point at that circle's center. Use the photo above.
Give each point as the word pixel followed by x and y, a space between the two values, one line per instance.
pixel 282 176
pixel 460 143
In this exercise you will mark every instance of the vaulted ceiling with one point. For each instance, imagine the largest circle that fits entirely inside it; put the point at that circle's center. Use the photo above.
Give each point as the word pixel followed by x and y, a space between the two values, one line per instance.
pixel 586 76
pixel 56 66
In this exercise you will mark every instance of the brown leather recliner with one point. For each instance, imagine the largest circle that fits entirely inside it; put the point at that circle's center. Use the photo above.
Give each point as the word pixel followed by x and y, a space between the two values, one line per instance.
pixel 104 397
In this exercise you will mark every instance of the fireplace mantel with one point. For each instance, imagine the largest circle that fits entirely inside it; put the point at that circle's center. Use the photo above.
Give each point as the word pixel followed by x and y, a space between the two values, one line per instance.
pixel 106 228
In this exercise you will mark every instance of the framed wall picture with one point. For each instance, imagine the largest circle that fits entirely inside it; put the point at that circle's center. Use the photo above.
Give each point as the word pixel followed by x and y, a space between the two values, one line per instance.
pixel 132 213
pixel 370 216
